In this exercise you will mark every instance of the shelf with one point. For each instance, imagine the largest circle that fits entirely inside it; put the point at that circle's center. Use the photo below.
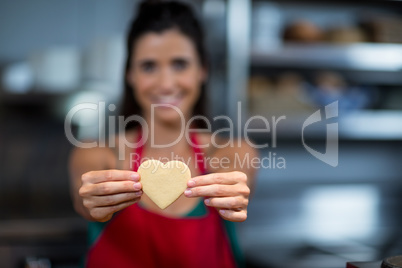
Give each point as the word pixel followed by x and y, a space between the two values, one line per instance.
pixel 382 125
pixel 358 125
pixel 356 57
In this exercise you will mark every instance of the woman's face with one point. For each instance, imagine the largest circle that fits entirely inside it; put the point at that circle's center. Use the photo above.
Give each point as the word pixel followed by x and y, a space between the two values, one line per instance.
pixel 165 70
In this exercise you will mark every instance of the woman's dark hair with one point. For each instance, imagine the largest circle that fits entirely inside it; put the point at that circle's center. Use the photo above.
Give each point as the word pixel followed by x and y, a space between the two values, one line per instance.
pixel 157 17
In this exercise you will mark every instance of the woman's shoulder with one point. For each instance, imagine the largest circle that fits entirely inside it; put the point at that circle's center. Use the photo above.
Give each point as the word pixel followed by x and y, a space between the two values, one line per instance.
pixel 102 157
pixel 94 158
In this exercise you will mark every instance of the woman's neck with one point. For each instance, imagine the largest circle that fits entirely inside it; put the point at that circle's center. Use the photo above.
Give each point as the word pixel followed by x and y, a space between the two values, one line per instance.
pixel 166 137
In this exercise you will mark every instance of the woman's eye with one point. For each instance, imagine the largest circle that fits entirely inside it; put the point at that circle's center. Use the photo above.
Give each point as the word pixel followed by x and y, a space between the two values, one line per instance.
pixel 180 64
pixel 147 66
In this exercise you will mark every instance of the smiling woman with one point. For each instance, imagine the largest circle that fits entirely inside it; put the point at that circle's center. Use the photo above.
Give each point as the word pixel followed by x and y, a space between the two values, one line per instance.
pixel 165 70
pixel 165 84
pixel 181 21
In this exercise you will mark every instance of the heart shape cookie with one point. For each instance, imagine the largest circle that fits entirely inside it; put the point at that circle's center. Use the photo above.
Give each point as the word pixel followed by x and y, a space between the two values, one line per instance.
pixel 164 183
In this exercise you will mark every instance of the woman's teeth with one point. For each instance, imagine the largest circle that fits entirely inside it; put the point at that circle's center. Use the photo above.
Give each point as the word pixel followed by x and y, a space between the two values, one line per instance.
pixel 168 99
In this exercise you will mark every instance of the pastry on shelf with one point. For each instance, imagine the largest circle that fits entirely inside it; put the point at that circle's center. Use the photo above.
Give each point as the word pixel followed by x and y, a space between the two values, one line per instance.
pixel 302 31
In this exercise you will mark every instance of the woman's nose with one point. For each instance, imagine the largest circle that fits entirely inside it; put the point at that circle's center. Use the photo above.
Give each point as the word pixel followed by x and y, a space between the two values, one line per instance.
pixel 166 80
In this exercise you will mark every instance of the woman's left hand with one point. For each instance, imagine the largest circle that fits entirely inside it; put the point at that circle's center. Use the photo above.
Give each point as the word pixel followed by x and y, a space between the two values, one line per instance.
pixel 227 192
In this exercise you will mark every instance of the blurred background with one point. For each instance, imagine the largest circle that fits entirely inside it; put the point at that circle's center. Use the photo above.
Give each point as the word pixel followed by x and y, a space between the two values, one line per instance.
pixel 279 58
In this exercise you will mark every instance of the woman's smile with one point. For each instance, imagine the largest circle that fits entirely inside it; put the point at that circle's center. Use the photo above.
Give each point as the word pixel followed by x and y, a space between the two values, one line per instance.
pixel 173 99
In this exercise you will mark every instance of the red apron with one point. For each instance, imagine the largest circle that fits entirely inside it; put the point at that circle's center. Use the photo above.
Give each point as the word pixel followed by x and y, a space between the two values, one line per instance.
pixel 136 237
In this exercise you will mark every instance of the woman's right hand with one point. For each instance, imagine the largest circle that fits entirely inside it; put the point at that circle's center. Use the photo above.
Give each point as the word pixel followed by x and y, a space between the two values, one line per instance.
pixel 105 192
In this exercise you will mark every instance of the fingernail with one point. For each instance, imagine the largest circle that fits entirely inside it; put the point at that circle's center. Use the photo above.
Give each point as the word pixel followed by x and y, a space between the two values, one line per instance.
pixel 135 176
pixel 191 183
pixel 188 192
pixel 207 202
pixel 138 193
pixel 137 186
pixel 222 211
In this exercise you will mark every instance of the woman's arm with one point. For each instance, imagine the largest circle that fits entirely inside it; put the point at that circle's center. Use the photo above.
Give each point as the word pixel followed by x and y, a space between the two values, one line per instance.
pixel 98 190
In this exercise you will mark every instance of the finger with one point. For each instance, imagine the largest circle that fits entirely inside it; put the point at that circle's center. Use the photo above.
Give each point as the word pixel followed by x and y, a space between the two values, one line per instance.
pixel 111 200
pixel 105 213
pixel 99 176
pixel 214 178
pixel 109 188
pixel 232 215
pixel 214 190
pixel 227 202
